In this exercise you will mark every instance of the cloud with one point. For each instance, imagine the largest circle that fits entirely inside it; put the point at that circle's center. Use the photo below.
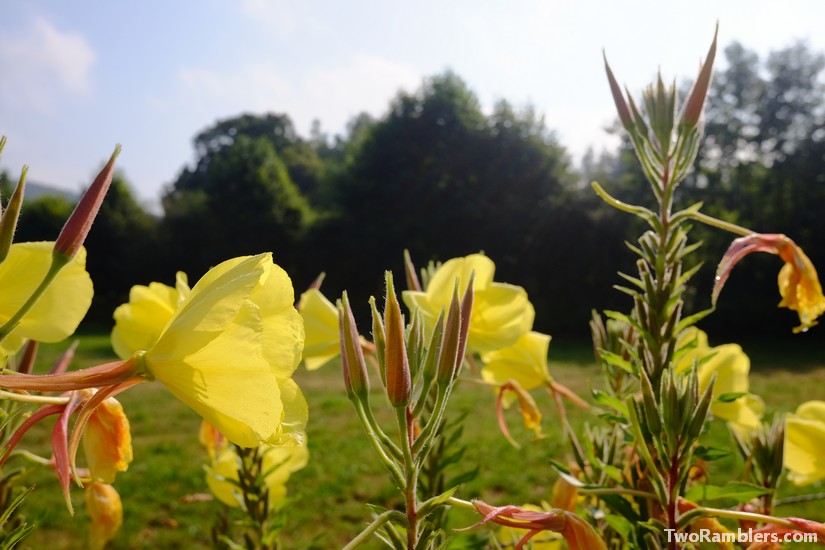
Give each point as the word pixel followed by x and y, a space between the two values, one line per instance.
pixel 276 15
pixel 332 95
pixel 41 62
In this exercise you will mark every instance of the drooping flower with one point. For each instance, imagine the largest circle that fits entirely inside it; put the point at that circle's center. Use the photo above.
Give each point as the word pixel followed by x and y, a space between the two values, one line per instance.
pixel 731 367
pixel 321 327
pixel 578 534
pixel 106 511
pixel 804 441
pixel 107 441
pixel 139 322
pixel 230 349
pixel 278 464
pixel 544 540
pixel 501 312
pixel 798 281
pixel 59 309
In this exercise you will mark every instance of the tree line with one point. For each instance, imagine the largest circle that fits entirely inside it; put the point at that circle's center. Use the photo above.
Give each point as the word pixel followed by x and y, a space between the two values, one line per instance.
pixel 439 177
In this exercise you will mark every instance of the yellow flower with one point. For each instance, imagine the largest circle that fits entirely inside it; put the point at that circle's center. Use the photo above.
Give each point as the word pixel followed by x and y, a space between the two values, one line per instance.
pixel 278 464
pixel 107 441
pixel 60 308
pixel 501 312
pixel 229 350
pixel 106 512
pixel 525 362
pixel 139 323
pixel 321 327
pixel 804 442
pixel 731 366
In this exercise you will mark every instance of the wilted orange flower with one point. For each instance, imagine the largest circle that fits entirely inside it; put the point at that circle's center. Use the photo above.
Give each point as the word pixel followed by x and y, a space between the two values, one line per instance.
pixel 107 441
pixel 106 512
pixel 798 282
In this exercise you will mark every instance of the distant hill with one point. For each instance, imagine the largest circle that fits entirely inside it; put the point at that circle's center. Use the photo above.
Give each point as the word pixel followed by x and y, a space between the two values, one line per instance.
pixel 36 189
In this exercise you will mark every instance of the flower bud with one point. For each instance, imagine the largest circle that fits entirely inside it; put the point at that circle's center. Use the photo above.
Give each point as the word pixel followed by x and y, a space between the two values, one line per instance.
pixel 106 511
pixel 9 221
pixel 450 343
pixel 695 103
pixel 352 357
pixel 399 384
pixel 80 222
pixel 618 98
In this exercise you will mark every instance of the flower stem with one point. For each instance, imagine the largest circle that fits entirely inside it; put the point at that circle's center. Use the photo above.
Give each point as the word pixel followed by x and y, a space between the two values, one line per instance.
pixel 108 374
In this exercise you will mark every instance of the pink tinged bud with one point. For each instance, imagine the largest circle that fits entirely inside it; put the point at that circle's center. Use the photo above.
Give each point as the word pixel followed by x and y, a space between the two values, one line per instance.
pixel 27 360
pixel 448 358
pixel 352 357
pixel 316 284
pixel 695 103
pixel 396 363
pixel 618 98
pixel 9 221
pixel 409 271
pixel 379 338
pixel 466 312
pixel 77 227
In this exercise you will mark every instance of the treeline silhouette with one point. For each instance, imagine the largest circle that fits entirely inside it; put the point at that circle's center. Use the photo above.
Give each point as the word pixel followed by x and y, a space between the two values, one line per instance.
pixel 438 176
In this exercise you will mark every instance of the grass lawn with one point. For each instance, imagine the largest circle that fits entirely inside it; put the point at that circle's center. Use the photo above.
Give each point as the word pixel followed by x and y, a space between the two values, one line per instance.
pixel 163 491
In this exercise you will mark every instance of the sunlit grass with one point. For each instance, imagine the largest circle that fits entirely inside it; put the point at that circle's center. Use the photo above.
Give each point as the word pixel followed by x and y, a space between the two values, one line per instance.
pixel 163 489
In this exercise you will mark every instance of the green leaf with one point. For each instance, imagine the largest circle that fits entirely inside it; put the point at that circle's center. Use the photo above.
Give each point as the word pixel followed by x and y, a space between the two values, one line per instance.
pixel 621 525
pixel 735 490
pixel 606 400
pixel 617 361
pixel 430 505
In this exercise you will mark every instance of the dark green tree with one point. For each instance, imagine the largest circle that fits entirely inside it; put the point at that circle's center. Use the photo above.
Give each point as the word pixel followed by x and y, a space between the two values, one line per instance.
pixel 241 200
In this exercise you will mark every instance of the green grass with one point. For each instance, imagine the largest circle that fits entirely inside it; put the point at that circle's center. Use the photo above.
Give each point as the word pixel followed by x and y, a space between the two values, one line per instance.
pixel 161 488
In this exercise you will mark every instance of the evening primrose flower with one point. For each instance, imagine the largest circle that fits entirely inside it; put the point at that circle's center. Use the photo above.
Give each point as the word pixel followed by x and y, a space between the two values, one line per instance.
pixel 279 463
pixel 804 441
pixel 731 366
pixel 139 323
pixel 501 312
pixel 525 362
pixel 59 309
pixel 798 281
pixel 106 511
pixel 321 327
pixel 229 351
pixel 544 540
pixel 107 441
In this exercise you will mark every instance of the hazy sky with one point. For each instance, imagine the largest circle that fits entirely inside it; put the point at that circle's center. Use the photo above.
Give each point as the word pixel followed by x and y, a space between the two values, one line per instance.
pixel 78 77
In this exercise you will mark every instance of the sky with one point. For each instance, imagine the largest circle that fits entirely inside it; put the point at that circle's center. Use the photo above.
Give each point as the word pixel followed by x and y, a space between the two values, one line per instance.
pixel 76 78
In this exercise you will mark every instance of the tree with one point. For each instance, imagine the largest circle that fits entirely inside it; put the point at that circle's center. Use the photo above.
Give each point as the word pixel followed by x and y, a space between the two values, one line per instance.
pixel 239 201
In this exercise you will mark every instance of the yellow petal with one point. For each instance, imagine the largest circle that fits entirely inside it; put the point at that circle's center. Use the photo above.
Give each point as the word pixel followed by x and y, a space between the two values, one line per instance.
pixel 219 477
pixel 140 322
pixel 60 308
pixel 525 362
pixel 321 327
pixel 804 441
pixel 230 348
pixel 501 314
pixel 440 288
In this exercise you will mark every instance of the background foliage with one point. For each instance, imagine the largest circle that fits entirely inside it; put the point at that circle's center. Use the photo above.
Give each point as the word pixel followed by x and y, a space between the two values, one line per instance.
pixel 441 177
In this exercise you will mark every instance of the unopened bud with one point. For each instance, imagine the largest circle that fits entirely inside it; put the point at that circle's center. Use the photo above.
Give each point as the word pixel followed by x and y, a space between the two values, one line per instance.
pixel 466 312
pixel 409 271
pixel 379 339
pixel 9 222
pixel 396 363
pixel 352 357
pixel 618 98
pixel 450 342
pixel 695 103
pixel 77 227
